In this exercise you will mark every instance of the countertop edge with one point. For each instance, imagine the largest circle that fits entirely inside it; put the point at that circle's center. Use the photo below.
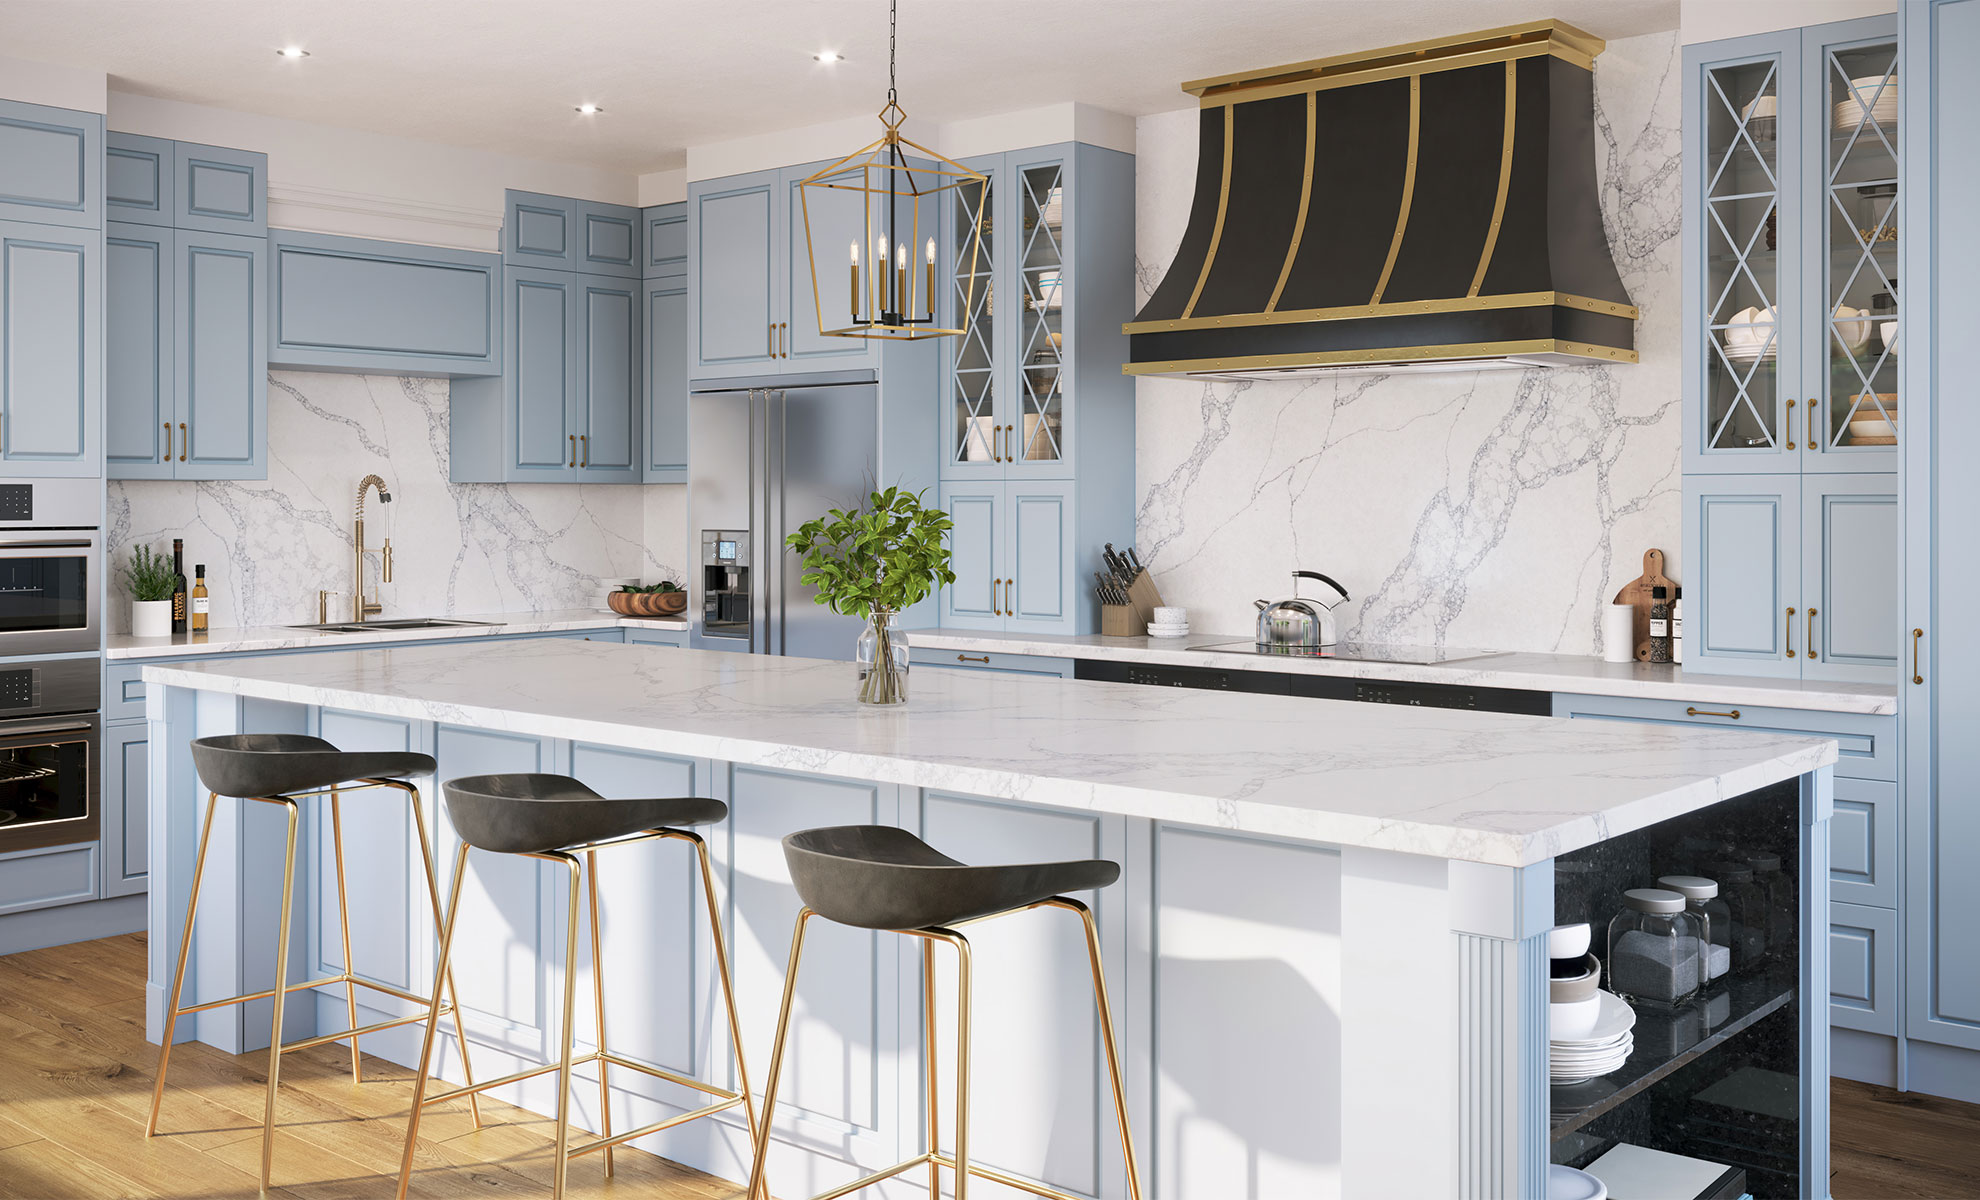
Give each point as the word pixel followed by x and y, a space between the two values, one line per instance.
pixel 284 638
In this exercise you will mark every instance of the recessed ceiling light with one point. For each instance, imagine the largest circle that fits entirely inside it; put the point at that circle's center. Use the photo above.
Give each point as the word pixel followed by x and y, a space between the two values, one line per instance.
pixel 293 52
pixel 828 57
pixel 589 109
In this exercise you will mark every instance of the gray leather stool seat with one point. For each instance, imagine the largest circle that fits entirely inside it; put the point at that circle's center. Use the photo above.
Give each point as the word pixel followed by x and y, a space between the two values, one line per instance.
pixel 521 813
pixel 880 877
pixel 275 764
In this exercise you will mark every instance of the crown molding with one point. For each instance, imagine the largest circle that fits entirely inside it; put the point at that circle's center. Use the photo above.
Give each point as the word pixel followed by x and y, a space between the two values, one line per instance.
pixel 392 218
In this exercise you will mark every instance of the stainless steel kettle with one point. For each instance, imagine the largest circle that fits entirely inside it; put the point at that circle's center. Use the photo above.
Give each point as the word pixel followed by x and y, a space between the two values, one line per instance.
pixel 1295 623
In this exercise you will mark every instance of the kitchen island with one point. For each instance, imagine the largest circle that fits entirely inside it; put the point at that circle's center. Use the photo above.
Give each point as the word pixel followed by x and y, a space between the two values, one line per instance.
pixel 1328 943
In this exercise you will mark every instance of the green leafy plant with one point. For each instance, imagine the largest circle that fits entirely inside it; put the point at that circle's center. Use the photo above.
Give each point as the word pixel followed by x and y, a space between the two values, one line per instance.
pixel 149 575
pixel 887 555
pixel 665 585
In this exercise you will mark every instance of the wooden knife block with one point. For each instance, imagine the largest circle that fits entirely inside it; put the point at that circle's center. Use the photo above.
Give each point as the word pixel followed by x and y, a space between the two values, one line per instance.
pixel 1146 599
pixel 1121 620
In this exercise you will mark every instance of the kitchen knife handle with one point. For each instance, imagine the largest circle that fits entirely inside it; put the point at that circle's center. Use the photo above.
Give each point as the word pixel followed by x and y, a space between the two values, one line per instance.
pixel 185 442
pixel 1790 633
pixel 1811 635
pixel 1790 425
pixel 1915 676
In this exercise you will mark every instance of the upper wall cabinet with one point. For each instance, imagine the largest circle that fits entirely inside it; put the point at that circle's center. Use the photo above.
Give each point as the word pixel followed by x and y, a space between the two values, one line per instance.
pixel 51 350
pixel 558 233
pixel 137 179
pixel 1791 236
pixel 219 190
pixel 665 352
pixel 352 304
pixel 51 165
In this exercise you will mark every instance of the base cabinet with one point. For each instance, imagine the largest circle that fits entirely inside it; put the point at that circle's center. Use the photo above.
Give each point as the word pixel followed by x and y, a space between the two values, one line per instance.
pixel 126 816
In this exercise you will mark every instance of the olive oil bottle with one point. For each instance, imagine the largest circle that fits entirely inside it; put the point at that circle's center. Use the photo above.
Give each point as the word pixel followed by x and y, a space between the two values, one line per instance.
pixel 178 585
pixel 200 603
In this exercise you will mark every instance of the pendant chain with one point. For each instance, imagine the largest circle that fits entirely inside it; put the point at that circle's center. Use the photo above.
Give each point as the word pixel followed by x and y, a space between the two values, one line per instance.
pixel 893 21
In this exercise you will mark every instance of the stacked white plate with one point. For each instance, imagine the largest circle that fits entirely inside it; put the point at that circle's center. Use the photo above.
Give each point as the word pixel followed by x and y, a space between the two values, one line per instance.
pixel 1601 1050
pixel 1883 109
pixel 1169 622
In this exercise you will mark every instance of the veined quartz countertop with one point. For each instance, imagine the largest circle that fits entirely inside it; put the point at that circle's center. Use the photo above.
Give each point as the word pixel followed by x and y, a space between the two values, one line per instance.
pixel 1486 787
pixel 262 638
pixel 1530 672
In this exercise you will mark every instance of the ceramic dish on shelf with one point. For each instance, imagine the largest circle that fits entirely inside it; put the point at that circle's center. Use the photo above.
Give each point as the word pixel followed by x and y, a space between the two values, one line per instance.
pixel 1747 354
pixel 1761 114
pixel 1887 331
pixel 1853 326
pixel 1566 1183
pixel 1868 94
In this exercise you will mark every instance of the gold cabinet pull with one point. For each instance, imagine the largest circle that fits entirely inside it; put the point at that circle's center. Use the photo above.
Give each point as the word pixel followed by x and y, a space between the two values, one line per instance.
pixel 1010 443
pixel 1811 635
pixel 1790 633
pixel 168 442
pixel 1811 422
pixel 985 660
pixel 585 439
pixel 784 337
pixel 1915 676
pixel 1010 597
pixel 996 443
pixel 573 461
pixel 1700 712
pixel 185 443
pixel 770 339
pixel 995 610
pixel 1790 425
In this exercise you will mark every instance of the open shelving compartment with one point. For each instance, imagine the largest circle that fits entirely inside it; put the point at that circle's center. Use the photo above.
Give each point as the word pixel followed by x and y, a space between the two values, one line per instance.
pixel 1716 1078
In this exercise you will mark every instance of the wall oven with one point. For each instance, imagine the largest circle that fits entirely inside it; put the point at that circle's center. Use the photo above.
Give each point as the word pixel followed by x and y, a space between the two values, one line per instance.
pixel 50 752
pixel 51 563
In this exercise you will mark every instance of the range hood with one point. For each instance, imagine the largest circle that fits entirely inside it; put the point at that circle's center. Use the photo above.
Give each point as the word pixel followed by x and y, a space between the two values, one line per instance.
pixel 1425 207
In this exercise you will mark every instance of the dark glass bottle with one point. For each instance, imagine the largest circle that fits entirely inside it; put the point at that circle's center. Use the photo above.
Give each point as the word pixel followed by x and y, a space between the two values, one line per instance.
pixel 178 585
pixel 1660 625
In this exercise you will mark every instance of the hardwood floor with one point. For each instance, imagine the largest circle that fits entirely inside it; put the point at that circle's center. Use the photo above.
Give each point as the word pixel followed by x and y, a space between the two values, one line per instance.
pixel 76 1076
pixel 75 1088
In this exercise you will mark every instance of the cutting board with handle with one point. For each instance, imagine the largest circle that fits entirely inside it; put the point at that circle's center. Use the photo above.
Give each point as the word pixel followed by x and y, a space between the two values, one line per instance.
pixel 1636 594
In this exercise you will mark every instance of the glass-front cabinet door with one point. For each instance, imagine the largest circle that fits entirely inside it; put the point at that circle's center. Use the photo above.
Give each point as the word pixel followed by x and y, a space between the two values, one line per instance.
pixel 975 444
pixel 1854 422
pixel 1038 424
pixel 1744 350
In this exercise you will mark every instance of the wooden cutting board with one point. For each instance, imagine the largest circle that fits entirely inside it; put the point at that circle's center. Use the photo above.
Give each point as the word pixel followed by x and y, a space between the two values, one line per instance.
pixel 1637 595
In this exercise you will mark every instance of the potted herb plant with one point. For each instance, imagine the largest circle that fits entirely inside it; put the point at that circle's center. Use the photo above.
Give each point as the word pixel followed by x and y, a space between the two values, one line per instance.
pixel 663 599
pixel 151 581
pixel 872 562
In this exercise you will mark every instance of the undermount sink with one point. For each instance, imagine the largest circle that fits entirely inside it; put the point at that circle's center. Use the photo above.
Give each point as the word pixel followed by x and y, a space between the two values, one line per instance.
pixel 404 623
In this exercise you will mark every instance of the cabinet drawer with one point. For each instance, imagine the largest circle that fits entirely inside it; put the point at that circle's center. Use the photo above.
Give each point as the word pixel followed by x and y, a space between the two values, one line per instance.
pixel 1863 968
pixel 1863 842
pixel 611 634
pixel 1015 664
pixel 1867 745
pixel 123 691
pixel 46 877
pixel 673 638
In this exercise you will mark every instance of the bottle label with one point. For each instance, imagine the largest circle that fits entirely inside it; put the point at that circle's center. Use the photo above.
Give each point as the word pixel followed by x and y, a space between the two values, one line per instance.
pixel 200 604
pixel 1659 628
pixel 178 606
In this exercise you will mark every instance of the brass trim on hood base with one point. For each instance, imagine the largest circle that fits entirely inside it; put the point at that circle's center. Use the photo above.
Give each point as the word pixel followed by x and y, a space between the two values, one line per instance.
pixel 1490 354
pixel 1607 308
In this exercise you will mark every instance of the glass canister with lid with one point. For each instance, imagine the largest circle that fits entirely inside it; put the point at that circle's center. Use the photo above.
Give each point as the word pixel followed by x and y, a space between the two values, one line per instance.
pixel 1656 948
pixel 1748 902
pixel 1701 897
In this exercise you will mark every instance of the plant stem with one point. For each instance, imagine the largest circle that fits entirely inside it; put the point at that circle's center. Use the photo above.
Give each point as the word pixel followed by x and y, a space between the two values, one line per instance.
pixel 883 684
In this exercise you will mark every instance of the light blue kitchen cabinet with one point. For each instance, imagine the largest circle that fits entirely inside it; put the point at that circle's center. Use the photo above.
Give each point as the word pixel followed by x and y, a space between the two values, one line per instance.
pixel 609 394
pixel 220 355
pixel 990 660
pixel 124 813
pixel 664 360
pixel 613 634
pixel 137 179
pixel 666 245
pixel 675 639
pixel 1743 547
pixel 218 190
pixel 609 239
pixel 976 554
pixel 1940 664
pixel 51 349
pixel 355 304
pixel 48 876
pixel 1012 554
pixel 139 438
pixel 835 220
pixel 1851 564
pixel 1863 974
pixel 559 233
pixel 733 271
pixel 51 165
pixel 542 380
pixel 1863 842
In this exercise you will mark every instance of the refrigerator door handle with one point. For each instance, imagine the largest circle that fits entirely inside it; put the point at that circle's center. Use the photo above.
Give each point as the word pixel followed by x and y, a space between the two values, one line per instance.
pixel 774 552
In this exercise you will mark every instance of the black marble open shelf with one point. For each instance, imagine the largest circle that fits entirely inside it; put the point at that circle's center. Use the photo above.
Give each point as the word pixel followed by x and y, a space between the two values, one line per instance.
pixel 1668 1039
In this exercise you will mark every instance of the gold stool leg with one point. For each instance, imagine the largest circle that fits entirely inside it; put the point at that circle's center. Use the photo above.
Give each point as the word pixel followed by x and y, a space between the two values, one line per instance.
pixel 598 995
pixel 179 972
pixel 1112 1044
pixel 722 971
pixel 928 1053
pixel 344 924
pixel 445 971
pixel 759 1187
pixel 281 992
pixel 962 1065
pixel 433 1010
pixel 563 1161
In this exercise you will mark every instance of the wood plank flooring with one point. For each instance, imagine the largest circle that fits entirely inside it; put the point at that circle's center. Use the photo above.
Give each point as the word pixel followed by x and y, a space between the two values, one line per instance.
pixel 75 1088
pixel 76 1076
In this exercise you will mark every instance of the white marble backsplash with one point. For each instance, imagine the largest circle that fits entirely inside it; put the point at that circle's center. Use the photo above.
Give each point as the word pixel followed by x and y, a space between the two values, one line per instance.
pixel 1492 509
pixel 270 545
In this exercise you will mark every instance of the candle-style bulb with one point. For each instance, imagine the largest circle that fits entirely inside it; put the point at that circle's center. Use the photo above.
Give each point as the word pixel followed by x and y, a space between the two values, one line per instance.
pixel 900 256
pixel 855 254
pixel 931 252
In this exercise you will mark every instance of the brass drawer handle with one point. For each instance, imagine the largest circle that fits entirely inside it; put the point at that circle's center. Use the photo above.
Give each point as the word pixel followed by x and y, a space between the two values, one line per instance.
pixel 1010 597
pixel 1811 635
pixel 996 441
pixel 1789 639
pixel 985 660
pixel 1790 425
pixel 995 611
pixel 1915 676
pixel 770 339
pixel 586 439
pixel 185 443
pixel 573 461
pixel 1699 712
pixel 1811 422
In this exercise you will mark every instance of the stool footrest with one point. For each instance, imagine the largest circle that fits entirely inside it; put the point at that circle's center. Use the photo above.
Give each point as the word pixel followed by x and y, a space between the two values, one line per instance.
pixel 661 1073
pixel 345 1035
pixel 1004 1177
pixel 656 1127
pixel 261 995
pixel 876 1177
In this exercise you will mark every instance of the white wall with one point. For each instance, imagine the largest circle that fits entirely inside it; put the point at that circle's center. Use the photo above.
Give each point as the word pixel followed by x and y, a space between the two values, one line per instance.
pixel 58 87
pixel 1710 20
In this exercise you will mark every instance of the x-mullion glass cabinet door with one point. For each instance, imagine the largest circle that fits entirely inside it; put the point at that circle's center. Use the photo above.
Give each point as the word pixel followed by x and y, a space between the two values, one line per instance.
pixel 1850 70
pixel 975 443
pixel 1744 339
pixel 1035 425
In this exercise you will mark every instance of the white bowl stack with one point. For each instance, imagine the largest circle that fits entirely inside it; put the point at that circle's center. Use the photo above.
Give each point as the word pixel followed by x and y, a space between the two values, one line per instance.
pixel 1169 622
pixel 1588 1030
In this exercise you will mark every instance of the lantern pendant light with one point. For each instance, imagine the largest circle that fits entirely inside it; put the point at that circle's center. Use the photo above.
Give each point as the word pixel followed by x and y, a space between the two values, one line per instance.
pixel 884 201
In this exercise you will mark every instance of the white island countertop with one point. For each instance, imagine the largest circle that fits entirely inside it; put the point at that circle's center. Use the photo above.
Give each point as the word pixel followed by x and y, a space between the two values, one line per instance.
pixel 263 639
pixel 1485 787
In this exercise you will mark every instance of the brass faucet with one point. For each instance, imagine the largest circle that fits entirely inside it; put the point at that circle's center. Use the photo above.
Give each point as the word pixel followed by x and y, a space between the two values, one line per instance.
pixel 360 607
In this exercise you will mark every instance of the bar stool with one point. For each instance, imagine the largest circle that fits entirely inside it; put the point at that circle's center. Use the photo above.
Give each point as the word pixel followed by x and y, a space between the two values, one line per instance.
pixel 276 768
pixel 555 818
pixel 880 877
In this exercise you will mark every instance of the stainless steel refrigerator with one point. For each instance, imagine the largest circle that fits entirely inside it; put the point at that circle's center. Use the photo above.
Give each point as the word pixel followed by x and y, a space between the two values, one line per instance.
pixel 765 460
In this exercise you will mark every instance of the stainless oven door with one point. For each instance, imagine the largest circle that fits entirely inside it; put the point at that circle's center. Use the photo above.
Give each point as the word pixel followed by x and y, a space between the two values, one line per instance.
pixel 48 591
pixel 50 770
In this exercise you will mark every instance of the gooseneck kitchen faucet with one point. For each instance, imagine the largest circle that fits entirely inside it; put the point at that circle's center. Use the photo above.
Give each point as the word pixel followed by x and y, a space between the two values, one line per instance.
pixel 360 607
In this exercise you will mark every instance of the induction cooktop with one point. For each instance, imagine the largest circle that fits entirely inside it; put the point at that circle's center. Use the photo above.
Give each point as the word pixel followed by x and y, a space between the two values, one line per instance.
pixel 1357 652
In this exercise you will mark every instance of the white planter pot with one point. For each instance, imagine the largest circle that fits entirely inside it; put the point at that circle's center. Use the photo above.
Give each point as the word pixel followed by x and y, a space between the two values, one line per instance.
pixel 151 618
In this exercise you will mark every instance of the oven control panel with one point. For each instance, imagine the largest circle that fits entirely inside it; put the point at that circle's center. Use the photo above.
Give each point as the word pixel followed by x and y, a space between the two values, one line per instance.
pixel 17 689
pixel 16 502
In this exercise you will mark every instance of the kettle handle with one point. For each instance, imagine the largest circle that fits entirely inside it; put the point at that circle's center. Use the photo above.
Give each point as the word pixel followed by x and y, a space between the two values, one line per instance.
pixel 1323 579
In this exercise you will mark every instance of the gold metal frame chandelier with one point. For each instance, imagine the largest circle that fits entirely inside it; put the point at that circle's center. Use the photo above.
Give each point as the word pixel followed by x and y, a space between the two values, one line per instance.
pixel 899 185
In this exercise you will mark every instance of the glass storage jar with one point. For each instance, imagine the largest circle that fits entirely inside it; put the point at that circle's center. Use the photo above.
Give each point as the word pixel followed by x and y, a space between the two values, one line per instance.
pixel 1654 948
pixel 1748 902
pixel 1701 897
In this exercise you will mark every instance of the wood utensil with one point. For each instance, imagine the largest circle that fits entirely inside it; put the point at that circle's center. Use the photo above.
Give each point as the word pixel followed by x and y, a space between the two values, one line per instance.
pixel 1637 595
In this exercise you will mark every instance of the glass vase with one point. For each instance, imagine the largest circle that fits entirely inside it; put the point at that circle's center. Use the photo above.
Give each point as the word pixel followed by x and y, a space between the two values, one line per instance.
pixel 882 657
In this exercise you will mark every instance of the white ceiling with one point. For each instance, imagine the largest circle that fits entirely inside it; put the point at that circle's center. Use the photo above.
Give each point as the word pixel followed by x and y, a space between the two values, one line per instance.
pixel 504 75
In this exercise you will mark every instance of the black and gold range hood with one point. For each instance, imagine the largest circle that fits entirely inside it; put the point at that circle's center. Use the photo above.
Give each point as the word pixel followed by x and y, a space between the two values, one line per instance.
pixel 1430 206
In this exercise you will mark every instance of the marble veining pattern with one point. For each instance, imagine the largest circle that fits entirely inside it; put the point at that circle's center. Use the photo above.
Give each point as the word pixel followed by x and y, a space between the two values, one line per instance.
pixel 260 639
pixel 1487 787
pixel 1493 508
pixel 270 545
